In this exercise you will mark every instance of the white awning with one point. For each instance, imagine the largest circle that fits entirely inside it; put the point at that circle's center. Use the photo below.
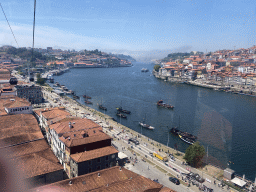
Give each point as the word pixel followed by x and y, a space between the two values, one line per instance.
pixel 238 182
pixel 121 155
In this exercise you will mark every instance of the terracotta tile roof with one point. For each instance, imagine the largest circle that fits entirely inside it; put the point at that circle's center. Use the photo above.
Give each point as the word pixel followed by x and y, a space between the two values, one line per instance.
pixel 93 154
pixel 70 140
pixel 5 101
pixel 77 124
pixel 110 179
pixel 54 112
pixel 17 102
pixel 38 163
pixel 138 184
pixel 25 149
pixel 15 129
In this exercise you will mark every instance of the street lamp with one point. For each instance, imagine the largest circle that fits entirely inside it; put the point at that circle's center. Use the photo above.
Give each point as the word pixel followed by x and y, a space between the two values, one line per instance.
pixel 168 135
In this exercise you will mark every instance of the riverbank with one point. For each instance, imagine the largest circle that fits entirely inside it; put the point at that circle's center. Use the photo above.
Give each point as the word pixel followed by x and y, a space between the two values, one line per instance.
pixel 215 85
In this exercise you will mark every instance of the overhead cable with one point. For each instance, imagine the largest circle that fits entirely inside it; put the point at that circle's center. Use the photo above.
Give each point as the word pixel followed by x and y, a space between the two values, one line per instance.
pixel 9 25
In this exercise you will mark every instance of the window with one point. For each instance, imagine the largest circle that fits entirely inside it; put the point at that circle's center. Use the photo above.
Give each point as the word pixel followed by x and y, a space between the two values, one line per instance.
pixel 106 158
pixel 98 160
pixel 107 165
pixel 89 170
pixel 98 168
pixel 90 162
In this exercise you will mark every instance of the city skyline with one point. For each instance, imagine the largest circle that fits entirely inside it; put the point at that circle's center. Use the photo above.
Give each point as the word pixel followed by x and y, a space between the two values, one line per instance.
pixel 138 28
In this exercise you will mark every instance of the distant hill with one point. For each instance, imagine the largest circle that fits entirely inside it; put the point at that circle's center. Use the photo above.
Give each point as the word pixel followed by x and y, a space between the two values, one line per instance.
pixel 122 56
pixel 175 56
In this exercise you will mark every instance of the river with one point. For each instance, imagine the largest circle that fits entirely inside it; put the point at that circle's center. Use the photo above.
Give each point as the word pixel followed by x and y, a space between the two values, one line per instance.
pixel 223 122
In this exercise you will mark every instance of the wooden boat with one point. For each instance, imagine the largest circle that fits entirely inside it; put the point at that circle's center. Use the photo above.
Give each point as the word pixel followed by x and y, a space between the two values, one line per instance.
pixel 187 137
pixel 103 108
pixel 87 102
pixel 175 131
pixel 76 97
pixel 121 115
pixel 161 103
pixel 86 97
pixel 146 126
pixel 121 110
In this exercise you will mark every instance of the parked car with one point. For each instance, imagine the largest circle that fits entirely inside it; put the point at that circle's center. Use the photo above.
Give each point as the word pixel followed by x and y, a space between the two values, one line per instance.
pixel 174 180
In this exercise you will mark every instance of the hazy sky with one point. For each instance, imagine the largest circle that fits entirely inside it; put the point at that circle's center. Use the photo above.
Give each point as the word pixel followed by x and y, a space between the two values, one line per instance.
pixel 131 25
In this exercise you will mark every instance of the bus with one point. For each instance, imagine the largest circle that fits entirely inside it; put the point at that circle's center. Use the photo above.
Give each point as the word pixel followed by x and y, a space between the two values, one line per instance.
pixel 161 156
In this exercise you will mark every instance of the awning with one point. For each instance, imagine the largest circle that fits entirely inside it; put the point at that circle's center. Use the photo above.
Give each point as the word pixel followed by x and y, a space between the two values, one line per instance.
pixel 238 182
pixel 121 155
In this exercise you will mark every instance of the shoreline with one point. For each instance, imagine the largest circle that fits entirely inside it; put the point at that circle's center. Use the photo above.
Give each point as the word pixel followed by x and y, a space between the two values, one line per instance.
pixel 235 89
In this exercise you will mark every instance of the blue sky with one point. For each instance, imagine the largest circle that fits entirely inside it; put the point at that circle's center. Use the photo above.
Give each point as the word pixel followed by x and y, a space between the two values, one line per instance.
pixel 135 27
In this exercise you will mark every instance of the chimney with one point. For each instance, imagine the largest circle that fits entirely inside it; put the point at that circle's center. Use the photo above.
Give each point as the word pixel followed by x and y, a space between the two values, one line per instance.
pixel 70 126
pixel 98 174
pixel 70 183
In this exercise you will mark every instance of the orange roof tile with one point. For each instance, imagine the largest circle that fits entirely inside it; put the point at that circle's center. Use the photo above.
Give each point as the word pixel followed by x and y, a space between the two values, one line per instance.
pixel 93 154
pixel 110 179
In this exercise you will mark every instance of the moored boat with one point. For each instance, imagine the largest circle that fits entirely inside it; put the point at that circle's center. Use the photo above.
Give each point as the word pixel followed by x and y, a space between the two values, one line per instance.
pixel 146 126
pixel 187 137
pixel 87 102
pixel 121 115
pixel 161 103
pixel 103 108
pixel 86 96
pixel 175 131
pixel 76 97
pixel 57 84
pixel 120 109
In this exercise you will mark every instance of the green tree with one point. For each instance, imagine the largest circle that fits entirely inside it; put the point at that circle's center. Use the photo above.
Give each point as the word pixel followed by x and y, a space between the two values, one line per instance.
pixel 40 80
pixel 157 67
pixel 194 154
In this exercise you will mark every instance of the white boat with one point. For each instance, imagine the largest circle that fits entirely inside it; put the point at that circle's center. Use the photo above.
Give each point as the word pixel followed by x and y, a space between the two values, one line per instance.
pixel 144 70
pixel 146 126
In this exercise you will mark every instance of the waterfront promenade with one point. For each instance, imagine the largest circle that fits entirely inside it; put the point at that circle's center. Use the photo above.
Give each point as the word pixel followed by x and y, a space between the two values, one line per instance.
pixel 121 134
